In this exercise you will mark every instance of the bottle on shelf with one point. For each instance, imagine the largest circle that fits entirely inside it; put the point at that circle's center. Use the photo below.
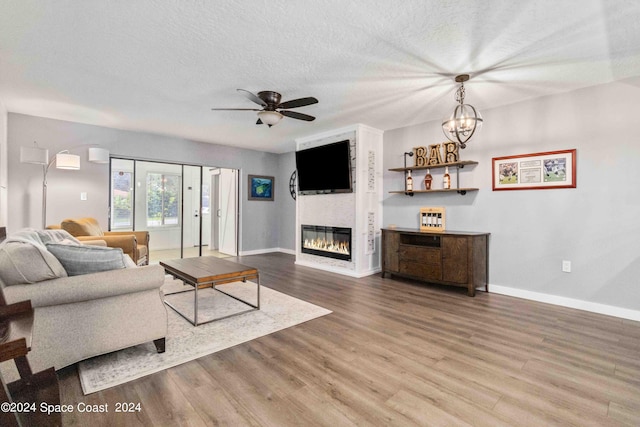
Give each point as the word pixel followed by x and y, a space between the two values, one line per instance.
pixel 409 181
pixel 447 179
pixel 427 180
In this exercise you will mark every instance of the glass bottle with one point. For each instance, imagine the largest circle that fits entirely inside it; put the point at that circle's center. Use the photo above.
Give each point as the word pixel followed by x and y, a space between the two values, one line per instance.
pixel 447 178
pixel 409 181
pixel 427 180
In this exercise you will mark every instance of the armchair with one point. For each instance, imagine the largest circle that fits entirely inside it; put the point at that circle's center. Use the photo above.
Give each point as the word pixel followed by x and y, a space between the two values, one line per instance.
pixel 133 243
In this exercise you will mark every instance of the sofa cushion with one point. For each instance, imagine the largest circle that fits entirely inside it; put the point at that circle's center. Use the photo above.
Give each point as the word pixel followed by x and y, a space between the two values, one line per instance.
pixel 85 259
pixel 82 227
pixel 25 262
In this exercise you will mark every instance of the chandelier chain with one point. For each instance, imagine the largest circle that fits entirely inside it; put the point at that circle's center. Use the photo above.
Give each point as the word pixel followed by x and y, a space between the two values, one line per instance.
pixel 460 94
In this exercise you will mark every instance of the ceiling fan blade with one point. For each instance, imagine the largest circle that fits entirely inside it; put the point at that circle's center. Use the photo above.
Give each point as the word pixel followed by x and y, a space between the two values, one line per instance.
pixel 236 109
pixel 259 122
pixel 296 115
pixel 295 103
pixel 252 97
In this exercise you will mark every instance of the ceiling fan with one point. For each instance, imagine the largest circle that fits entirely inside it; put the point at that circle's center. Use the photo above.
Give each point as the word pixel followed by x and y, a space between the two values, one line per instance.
pixel 273 110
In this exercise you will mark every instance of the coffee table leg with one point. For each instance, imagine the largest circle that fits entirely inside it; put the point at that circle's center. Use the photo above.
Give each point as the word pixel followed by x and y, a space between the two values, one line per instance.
pixel 195 307
pixel 196 287
pixel 258 305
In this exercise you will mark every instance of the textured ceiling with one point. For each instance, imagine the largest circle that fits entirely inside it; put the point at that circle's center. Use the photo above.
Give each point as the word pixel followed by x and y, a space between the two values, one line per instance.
pixel 160 66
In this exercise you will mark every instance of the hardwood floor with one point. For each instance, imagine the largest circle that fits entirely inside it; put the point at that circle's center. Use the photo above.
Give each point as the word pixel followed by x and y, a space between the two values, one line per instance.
pixel 395 352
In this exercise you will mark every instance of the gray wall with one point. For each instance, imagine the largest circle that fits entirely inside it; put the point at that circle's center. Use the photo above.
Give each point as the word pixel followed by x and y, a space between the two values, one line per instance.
pixel 285 203
pixel 595 226
pixel 259 220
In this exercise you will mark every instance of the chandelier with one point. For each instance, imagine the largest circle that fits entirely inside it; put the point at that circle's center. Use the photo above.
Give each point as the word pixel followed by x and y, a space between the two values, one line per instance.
pixel 465 120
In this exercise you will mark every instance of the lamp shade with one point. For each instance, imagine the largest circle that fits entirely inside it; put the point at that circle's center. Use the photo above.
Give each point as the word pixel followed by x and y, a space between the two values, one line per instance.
pixel 270 117
pixel 98 155
pixel 67 161
pixel 35 155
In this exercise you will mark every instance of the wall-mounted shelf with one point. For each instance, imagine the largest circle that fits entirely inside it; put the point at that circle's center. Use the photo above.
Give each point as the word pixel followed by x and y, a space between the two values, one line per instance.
pixel 458 165
pixel 462 191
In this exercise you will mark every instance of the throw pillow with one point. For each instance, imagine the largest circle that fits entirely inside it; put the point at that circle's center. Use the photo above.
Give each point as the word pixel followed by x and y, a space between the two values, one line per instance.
pixel 24 262
pixel 85 259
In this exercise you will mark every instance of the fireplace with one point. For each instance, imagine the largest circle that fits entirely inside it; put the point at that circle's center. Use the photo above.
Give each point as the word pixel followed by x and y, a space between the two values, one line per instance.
pixel 332 242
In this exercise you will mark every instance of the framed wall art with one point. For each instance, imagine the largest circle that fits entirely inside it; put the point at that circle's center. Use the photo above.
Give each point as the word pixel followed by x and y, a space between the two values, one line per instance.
pixel 536 171
pixel 261 187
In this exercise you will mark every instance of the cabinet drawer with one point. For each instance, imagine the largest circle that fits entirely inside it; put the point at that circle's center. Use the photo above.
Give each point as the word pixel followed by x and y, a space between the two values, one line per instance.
pixel 419 254
pixel 418 269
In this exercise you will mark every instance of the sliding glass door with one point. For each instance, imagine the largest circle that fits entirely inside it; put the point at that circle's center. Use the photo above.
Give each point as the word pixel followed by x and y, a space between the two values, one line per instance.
pixel 187 210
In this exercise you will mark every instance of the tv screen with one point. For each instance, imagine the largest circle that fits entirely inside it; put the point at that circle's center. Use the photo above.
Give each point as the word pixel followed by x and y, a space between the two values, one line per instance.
pixel 324 169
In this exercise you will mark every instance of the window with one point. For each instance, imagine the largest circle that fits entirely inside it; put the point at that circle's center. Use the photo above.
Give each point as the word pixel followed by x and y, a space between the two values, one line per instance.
pixel 122 199
pixel 163 199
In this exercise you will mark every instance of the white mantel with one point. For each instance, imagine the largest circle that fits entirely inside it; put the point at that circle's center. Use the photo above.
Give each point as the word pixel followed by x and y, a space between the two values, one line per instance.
pixel 361 210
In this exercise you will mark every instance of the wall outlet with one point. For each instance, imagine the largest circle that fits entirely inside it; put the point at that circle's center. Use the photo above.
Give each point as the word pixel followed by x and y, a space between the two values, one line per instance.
pixel 566 266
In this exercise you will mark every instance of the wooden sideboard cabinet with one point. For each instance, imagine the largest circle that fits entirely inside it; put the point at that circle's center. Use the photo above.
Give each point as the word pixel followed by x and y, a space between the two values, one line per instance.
pixel 448 258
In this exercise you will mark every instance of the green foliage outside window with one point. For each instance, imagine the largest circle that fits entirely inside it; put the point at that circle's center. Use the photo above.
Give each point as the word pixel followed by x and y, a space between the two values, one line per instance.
pixel 163 199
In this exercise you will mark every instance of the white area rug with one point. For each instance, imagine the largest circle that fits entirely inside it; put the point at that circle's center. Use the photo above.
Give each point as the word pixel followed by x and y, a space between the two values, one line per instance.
pixel 186 342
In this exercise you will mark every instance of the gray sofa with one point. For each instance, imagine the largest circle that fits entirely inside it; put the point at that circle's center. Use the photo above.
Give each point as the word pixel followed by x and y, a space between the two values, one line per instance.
pixel 84 315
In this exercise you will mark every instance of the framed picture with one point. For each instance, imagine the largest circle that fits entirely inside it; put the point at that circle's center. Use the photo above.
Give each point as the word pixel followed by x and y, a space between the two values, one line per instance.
pixel 261 187
pixel 536 171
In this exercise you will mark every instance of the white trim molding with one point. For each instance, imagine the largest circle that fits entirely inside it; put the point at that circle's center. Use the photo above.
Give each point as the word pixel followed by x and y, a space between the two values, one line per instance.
pixel 593 307
pixel 267 251
pixel 338 270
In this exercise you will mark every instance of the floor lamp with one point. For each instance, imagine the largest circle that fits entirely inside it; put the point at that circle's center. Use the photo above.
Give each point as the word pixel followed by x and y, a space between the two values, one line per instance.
pixel 63 160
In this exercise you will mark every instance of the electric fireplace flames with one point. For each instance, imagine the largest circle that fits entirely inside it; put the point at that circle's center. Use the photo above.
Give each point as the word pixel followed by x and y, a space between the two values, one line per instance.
pixel 332 242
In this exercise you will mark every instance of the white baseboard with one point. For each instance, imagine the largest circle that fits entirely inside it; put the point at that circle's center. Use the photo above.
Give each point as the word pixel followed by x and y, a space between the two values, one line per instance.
pixel 267 251
pixel 338 270
pixel 593 307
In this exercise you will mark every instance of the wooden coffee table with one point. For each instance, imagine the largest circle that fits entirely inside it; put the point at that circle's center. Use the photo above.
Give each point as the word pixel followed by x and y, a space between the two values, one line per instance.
pixel 208 272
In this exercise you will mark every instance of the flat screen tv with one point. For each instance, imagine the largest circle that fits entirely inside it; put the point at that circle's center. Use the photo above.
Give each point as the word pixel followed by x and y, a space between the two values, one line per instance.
pixel 324 169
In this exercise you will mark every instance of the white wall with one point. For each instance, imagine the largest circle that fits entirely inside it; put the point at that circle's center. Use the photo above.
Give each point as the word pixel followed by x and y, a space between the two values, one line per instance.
pixel 595 226
pixel 259 227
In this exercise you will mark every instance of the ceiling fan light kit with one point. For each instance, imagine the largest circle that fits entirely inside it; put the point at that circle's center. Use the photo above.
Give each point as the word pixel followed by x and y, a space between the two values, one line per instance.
pixel 269 117
pixel 273 110
pixel 465 120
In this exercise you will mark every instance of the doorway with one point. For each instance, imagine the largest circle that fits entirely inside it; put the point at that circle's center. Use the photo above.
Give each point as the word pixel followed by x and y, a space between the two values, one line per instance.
pixel 188 210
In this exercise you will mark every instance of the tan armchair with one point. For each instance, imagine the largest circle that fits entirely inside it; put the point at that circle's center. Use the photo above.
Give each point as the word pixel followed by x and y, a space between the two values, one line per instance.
pixel 133 243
